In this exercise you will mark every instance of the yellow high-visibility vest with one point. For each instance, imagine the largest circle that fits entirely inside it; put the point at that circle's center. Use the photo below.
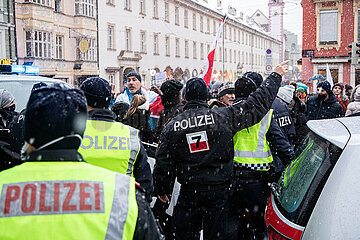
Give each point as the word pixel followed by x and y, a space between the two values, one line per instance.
pixel 66 200
pixel 251 149
pixel 110 145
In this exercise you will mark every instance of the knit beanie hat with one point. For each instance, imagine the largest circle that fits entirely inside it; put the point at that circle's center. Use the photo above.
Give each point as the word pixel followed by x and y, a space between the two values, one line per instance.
pixel 286 93
pixel 54 112
pixel 227 88
pixel 339 85
pixel 348 87
pixel 97 92
pixel 215 87
pixel 120 109
pixel 257 78
pixel 326 86
pixel 244 86
pixel 171 91
pixel 5 98
pixel 134 74
pixel 196 89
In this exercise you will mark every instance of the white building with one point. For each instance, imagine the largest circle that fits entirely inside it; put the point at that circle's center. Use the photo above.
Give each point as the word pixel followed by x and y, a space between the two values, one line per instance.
pixel 175 36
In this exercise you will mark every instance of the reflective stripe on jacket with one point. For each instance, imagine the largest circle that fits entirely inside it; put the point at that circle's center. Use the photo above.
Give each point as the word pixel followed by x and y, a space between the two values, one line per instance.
pixel 110 145
pixel 252 150
pixel 66 200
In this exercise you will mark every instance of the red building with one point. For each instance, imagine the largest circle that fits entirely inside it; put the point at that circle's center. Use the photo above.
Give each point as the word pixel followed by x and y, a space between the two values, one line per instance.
pixel 329 26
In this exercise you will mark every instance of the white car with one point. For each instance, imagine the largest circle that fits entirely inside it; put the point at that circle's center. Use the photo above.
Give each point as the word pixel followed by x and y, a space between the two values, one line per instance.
pixel 318 194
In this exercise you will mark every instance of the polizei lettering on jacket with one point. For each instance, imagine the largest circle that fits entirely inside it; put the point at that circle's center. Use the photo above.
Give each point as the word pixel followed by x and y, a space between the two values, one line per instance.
pixel 105 142
pixel 284 121
pixel 51 197
pixel 192 122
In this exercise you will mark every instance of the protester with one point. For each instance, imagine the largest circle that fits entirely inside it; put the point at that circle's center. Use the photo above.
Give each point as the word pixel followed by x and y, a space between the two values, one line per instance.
pixel 354 106
pixel 348 90
pixel 7 108
pixel 324 104
pixel 110 144
pixel 340 97
pixel 225 96
pixel 134 86
pixel 197 148
pixel 138 117
pixel 99 204
pixel 298 114
pixel 252 173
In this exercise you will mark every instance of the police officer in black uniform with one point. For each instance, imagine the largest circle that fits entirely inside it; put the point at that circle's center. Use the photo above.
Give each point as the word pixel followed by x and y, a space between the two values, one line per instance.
pixel 197 148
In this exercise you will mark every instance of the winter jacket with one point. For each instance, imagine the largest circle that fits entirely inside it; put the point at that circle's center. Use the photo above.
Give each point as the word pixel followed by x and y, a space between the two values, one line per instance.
pixel 140 121
pixel 166 115
pixel 146 227
pixel 6 116
pixel 354 107
pixel 284 119
pixel 215 103
pixel 197 145
pixel 298 114
pixel 126 96
pixel 323 109
pixel 142 171
pixel 343 101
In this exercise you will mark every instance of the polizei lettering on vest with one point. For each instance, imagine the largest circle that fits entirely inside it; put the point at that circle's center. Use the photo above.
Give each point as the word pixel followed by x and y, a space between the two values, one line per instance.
pixel 105 142
pixel 192 122
pixel 51 197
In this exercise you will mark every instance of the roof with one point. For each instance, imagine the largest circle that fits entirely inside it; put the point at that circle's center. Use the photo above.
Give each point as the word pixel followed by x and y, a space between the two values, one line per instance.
pixel 338 130
pixel 24 77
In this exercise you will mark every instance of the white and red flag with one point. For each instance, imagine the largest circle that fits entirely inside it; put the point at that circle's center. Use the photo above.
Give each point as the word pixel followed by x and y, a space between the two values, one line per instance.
pixel 206 71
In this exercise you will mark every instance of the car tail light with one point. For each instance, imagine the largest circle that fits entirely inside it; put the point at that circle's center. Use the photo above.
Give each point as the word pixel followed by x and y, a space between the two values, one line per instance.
pixel 274 235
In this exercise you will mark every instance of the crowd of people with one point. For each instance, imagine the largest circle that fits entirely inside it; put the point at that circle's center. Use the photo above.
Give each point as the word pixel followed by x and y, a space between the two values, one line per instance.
pixel 221 145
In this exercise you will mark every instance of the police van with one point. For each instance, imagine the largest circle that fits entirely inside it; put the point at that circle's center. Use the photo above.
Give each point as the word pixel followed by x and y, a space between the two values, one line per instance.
pixel 317 196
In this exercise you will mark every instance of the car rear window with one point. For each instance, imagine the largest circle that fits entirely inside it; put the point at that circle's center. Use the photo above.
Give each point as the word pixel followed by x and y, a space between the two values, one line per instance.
pixel 302 181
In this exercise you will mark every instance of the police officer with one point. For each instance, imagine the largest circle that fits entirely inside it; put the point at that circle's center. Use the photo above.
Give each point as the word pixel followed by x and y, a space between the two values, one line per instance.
pixel 55 194
pixel 252 161
pixel 197 148
pixel 110 144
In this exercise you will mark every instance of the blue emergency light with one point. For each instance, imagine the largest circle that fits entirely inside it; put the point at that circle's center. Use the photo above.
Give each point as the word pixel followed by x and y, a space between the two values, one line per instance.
pixel 19 69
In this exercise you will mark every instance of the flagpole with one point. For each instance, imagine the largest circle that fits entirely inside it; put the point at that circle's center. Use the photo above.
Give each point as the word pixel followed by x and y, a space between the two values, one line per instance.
pixel 223 53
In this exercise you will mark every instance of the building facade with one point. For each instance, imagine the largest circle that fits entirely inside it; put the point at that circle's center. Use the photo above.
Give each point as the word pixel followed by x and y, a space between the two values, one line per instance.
pixel 329 27
pixel 293 54
pixel 7 30
pixel 175 37
pixel 59 36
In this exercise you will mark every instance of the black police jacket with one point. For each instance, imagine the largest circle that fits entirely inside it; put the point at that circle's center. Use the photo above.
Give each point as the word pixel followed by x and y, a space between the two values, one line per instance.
pixel 197 145
pixel 284 119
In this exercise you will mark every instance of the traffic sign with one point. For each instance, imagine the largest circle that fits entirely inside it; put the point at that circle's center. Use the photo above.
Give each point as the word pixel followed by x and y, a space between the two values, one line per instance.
pixel 268 68
pixel 268 51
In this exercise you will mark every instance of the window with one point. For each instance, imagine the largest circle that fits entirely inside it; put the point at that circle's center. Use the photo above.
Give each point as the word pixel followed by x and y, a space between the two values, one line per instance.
pixel 208 26
pixel 167 14
pixel 220 54
pixel 194 50
pixel 225 57
pixel 156 44
pixel 90 54
pixel 111 37
pixel 230 55
pixel 59 46
pixel 167 45
pixel 234 56
pixel 186 18
pixel 328 26
pixel 111 78
pixel 156 9
pixel 201 51
pixel 186 49
pixel 201 24
pixel 214 27
pixel 143 42
pixel 177 47
pixel 128 39
pixel 127 5
pixel 242 39
pixel 142 7
pixel 58 6
pixel 230 34
pixel 194 21
pixel 176 15
pixel 41 2
pixel 85 8
pixel 39 44
pixel 110 2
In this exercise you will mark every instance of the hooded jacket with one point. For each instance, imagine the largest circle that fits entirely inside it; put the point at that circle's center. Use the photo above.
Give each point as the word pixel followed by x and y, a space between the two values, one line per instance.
pixel 323 109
